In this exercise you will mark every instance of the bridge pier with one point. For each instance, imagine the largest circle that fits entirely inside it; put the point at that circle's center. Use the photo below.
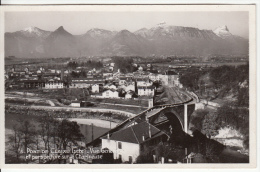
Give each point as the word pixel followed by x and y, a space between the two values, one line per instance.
pixel 185 118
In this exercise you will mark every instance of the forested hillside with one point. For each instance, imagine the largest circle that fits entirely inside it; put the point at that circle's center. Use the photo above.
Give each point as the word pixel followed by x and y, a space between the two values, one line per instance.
pixel 230 86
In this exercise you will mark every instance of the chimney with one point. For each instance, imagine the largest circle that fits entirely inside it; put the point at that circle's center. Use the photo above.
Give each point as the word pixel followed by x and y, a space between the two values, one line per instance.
pixel 143 138
pixel 107 135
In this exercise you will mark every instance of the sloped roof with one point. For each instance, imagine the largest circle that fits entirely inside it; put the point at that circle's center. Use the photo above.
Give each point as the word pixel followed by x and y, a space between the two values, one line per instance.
pixel 135 133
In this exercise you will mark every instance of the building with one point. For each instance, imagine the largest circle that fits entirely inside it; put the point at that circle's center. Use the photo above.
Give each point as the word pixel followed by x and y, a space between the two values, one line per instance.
pixel 85 82
pixel 145 90
pixel 28 84
pixel 129 94
pixel 110 86
pixel 125 80
pixel 54 84
pixel 110 94
pixel 130 88
pixel 95 88
pixel 127 144
pixel 154 77
pixel 75 103
pixel 143 82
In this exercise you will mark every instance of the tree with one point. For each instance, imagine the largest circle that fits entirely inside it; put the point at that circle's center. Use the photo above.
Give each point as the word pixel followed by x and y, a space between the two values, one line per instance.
pixel 22 138
pixel 209 125
pixel 45 130
pixel 235 117
pixel 197 119
pixel 15 141
pixel 68 132
pixel 28 133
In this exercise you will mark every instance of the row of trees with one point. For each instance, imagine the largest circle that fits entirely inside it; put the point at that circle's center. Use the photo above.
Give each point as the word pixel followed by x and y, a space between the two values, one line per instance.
pixel 91 64
pixel 125 64
pixel 44 134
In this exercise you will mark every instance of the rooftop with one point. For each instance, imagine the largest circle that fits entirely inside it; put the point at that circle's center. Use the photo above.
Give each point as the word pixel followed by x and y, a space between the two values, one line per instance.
pixel 135 133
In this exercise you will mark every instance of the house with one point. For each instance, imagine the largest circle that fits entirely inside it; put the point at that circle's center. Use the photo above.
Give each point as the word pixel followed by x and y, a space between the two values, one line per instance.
pixel 54 84
pixel 85 82
pixel 110 94
pixel 130 88
pixel 154 77
pixel 128 143
pixel 107 74
pixel 143 82
pixel 129 94
pixel 29 83
pixel 145 90
pixel 110 86
pixel 95 88
pixel 75 103
pixel 124 80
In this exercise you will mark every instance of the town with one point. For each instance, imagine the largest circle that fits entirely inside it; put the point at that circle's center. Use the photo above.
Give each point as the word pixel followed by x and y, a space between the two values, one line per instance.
pixel 103 82
pixel 121 90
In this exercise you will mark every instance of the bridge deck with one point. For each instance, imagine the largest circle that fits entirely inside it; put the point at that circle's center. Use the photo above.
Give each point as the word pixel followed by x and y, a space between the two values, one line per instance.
pixel 154 112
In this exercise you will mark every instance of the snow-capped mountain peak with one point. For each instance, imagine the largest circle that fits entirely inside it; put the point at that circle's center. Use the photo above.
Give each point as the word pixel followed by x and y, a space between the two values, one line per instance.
pixel 31 29
pixel 35 32
pixel 222 32
pixel 100 33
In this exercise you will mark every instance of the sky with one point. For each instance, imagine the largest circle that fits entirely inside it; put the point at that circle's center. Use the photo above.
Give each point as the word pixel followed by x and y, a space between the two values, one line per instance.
pixel 80 22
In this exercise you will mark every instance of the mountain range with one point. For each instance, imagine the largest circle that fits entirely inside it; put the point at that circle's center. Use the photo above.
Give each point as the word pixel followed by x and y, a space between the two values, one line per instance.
pixel 156 41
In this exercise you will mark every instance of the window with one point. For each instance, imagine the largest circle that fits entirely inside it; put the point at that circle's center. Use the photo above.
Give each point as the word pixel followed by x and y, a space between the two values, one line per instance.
pixel 119 156
pixel 119 145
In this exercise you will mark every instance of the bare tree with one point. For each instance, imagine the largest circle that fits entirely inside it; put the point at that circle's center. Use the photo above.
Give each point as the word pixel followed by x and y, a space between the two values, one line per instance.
pixel 15 141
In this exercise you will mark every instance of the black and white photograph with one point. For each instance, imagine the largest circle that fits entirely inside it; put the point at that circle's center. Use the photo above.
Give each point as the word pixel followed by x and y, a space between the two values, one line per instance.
pixel 129 85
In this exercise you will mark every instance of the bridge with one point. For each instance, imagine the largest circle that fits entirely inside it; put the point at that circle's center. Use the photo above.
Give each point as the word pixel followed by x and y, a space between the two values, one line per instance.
pixel 165 117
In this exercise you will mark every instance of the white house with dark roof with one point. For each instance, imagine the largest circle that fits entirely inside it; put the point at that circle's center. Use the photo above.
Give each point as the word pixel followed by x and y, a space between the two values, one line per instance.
pixel 110 94
pixel 127 144
pixel 145 90
pixel 54 84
